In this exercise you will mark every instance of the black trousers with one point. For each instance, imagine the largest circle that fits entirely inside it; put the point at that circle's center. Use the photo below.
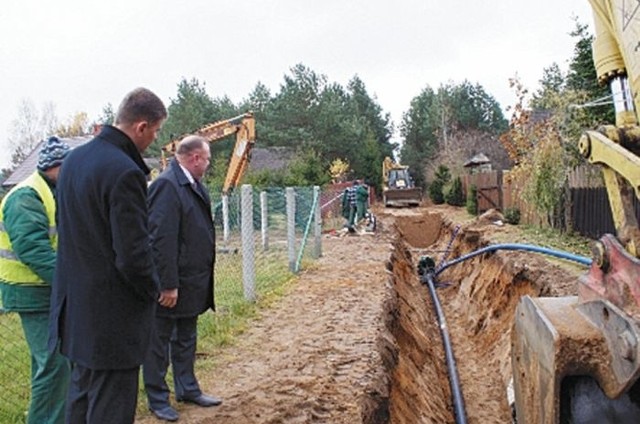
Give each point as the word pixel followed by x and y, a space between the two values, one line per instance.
pixel 173 339
pixel 102 396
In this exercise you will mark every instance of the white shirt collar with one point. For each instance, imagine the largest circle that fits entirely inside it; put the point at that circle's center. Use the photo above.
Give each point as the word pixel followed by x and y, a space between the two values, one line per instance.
pixel 188 174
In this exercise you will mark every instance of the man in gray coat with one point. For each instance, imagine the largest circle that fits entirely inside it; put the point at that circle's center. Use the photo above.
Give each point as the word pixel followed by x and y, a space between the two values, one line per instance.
pixel 183 244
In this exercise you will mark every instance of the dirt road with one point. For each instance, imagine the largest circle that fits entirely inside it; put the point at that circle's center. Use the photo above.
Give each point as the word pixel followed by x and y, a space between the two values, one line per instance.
pixel 312 357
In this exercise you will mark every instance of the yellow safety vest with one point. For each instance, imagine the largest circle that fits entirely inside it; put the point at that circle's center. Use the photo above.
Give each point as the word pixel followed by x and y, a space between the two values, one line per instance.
pixel 11 269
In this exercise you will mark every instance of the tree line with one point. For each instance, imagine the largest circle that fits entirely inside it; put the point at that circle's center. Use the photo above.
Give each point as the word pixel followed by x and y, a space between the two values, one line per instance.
pixel 322 122
pixel 317 120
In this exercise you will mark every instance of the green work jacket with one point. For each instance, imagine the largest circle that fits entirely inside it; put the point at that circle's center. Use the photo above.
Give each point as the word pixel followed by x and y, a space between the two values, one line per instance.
pixel 28 242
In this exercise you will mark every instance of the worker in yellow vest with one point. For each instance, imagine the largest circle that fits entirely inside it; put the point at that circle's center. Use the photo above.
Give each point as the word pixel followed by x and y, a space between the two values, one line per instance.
pixel 28 243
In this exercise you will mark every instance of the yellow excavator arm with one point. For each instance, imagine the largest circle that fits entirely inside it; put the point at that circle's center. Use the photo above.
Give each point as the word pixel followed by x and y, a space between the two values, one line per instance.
pixel 615 54
pixel 616 148
pixel 244 127
pixel 577 359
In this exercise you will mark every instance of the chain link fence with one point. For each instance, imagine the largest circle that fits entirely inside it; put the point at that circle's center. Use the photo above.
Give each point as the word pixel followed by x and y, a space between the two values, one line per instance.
pixel 283 232
pixel 263 239
pixel 331 207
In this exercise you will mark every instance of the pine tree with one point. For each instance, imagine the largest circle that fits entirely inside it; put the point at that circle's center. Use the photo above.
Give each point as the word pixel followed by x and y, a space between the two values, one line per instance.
pixel 455 196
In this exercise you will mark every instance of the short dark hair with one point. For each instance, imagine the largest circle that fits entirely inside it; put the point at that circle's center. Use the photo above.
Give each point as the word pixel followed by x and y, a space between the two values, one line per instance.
pixel 191 143
pixel 138 105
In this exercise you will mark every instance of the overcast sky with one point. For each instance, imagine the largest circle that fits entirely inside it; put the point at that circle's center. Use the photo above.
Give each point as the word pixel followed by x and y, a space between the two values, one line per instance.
pixel 83 54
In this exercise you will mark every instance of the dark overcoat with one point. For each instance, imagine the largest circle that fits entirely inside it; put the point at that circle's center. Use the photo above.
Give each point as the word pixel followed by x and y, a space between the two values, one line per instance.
pixel 183 241
pixel 105 286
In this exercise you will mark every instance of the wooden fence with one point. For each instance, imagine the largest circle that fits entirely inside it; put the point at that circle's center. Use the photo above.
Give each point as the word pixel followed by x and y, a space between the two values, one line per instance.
pixel 496 190
pixel 585 208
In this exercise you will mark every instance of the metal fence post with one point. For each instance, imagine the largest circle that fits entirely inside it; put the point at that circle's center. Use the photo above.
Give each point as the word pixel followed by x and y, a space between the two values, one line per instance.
pixel 264 220
pixel 225 218
pixel 248 256
pixel 291 227
pixel 317 247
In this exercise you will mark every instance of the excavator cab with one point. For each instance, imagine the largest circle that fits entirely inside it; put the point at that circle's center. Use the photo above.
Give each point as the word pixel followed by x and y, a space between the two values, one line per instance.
pixel 399 178
pixel 577 359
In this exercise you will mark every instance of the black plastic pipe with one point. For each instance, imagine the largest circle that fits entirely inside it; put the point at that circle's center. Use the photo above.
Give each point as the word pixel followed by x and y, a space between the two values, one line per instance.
pixel 454 382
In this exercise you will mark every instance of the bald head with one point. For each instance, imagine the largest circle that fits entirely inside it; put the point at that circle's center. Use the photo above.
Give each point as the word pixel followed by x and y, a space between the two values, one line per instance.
pixel 190 143
pixel 193 154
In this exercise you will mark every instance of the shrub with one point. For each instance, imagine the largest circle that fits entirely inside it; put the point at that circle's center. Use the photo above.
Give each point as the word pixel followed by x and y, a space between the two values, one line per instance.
pixel 442 177
pixel 442 174
pixel 512 216
pixel 455 196
pixel 435 192
pixel 472 200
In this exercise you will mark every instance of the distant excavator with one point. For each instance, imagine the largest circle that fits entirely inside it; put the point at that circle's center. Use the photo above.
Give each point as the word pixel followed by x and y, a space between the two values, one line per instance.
pixel 244 127
pixel 398 188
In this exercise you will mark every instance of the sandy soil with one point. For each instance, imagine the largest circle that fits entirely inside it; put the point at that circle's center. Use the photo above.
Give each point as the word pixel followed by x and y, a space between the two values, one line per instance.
pixel 312 357
pixel 356 339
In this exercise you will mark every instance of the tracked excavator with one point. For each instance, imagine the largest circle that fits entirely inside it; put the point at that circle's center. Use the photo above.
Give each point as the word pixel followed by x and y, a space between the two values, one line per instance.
pixel 577 359
pixel 244 128
pixel 398 188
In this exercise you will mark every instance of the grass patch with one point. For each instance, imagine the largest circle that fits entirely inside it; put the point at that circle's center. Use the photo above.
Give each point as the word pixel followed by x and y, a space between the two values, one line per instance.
pixel 546 237
pixel 15 370
pixel 554 238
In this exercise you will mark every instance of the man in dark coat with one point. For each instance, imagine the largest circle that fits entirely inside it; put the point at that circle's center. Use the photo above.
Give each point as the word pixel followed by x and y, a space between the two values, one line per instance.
pixel 183 241
pixel 105 287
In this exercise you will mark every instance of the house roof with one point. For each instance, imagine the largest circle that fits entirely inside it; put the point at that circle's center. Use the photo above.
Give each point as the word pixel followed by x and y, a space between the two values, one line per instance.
pixel 478 159
pixel 27 167
pixel 270 158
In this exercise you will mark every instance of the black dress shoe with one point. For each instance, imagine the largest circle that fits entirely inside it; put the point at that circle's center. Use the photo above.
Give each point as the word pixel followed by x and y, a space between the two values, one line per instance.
pixel 202 400
pixel 167 413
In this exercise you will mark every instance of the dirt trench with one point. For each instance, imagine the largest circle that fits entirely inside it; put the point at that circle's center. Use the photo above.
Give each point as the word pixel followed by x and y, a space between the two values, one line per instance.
pixel 479 300
pixel 356 338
